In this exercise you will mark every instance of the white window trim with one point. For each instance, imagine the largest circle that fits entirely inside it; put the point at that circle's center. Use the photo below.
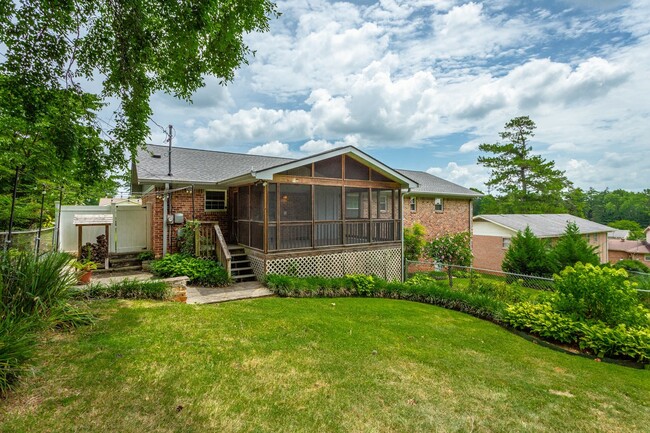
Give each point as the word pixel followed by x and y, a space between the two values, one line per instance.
pixel 413 204
pixel 383 203
pixel 357 199
pixel 225 200
pixel 442 204
pixel 504 241
pixel 646 258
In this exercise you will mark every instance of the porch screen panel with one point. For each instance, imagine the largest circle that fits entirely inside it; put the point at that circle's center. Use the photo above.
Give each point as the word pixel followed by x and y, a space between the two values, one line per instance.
pixel 273 201
pixel 355 170
pixel 295 202
pixel 243 230
pixel 329 233
pixel 382 204
pixel 331 167
pixel 257 203
pixel 242 204
pixel 257 235
pixel 294 236
pixel 357 203
pixel 327 203
pixel 272 237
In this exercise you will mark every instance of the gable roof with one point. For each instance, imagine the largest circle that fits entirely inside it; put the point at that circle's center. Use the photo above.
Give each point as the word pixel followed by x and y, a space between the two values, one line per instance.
pixel 543 225
pixel 429 184
pixel 209 167
pixel 195 166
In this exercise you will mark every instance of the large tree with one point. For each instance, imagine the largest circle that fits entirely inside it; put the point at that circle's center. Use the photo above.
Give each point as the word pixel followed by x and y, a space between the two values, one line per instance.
pixel 528 182
pixel 52 49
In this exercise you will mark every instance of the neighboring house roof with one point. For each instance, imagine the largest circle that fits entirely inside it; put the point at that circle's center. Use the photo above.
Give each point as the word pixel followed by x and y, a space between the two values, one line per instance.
pixel 543 225
pixel 631 247
pixel 433 185
pixel 209 167
pixel 619 234
pixel 107 201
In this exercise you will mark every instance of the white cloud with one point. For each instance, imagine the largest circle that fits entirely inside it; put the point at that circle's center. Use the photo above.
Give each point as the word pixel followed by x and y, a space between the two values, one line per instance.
pixel 273 148
pixel 470 175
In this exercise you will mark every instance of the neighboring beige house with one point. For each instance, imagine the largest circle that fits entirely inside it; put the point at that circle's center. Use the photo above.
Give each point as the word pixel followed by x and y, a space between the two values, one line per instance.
pixel 492 234
pixel 621 249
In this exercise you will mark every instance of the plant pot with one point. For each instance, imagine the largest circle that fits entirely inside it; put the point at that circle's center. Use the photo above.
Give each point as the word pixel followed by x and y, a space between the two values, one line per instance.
pixel 85 277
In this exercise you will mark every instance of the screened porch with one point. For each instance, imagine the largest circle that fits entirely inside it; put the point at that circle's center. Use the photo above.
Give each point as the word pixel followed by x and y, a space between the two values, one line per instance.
pixel 335 202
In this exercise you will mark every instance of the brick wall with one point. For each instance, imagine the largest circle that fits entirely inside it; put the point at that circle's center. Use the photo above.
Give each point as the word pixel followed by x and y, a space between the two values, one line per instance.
pixel 615 256
pixel 455 217
pixel 181 202
pixel 488 252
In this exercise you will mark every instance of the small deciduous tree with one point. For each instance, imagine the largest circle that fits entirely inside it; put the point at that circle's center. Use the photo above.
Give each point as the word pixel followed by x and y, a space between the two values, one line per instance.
pixel 452 249
pixel 414 241
pixel 527 255
pixel 636 231
pixel 572 248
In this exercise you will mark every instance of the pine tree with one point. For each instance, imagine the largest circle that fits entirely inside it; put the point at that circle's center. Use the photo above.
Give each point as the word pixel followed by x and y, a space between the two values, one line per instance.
pixel 529 182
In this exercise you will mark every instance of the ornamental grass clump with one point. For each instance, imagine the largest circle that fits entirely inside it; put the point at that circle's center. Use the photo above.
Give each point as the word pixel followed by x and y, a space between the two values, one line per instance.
pixel 34 295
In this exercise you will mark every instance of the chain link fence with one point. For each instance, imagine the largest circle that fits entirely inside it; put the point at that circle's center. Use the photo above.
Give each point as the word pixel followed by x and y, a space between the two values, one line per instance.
pixel 25 240
pixel 470 274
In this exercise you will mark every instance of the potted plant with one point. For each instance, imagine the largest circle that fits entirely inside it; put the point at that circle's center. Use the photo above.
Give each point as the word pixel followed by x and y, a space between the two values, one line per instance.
pixel 146 257
pixel 85 268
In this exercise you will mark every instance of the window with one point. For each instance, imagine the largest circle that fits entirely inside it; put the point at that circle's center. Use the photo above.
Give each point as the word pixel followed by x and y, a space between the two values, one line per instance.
pixel 215 200
pixel 647 258
pixel 414 204
pixel 357 203
pixel 383 203
pixel 505 243
pixel 437 205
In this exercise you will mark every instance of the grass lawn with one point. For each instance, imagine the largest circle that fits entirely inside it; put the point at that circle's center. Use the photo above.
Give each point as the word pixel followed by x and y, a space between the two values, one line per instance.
pixel 306 365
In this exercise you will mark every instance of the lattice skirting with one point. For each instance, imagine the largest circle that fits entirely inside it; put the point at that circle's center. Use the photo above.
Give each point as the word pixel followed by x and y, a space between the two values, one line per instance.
pixel 383 263
pixel 258 267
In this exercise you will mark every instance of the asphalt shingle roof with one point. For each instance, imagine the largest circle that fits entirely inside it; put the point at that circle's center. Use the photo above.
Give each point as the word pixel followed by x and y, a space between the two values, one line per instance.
pixel 209 167
pixel 198 166
pixel 430 184
pixel 544 225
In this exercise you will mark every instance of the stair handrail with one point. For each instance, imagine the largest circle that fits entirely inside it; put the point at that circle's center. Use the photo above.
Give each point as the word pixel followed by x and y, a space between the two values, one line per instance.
pixel 221 248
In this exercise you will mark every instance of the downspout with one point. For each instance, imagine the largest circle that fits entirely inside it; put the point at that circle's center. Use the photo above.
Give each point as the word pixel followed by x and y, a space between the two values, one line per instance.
pixel 164 239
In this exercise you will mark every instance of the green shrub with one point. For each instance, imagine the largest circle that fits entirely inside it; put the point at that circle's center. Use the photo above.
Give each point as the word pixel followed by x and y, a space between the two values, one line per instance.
pixel 427 291
pixel 126 289
pixel 620 341
pixel 542 320
pixel 420 279
pixel 572 248
pixel 589 292
pixel 363 284
pixel 203 272
pixel 527 255
pixel 593 337
pixel 414 241
pixel 498 290
pixel 146 255
pixel 632 265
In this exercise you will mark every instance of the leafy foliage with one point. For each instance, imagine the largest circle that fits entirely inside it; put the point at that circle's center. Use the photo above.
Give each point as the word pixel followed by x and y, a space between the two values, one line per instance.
pixel 425 291
pixel 451 249
pixel 542 320
pixel 589 292
pixel 528 182
pixel 200 271
pixel 527 255
pixel 186 237
pixel 126 289
pixel 414 241
pixel 636 231
pixel 632 265
pixel 572 248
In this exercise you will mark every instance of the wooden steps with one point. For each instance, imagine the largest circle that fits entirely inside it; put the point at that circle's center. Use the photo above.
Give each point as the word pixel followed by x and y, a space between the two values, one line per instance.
pixel 240 265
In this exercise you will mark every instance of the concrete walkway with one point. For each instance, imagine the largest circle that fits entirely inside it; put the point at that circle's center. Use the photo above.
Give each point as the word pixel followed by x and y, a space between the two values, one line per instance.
pixel 210 295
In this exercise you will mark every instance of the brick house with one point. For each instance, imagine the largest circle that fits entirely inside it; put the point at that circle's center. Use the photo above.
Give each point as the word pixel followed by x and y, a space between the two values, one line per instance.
pixel 622 249
pixel 492 234
pixel 333 213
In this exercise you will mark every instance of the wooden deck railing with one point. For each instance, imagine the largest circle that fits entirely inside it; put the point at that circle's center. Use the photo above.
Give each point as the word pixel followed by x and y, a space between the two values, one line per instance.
pixel 204 240
pixel 221 248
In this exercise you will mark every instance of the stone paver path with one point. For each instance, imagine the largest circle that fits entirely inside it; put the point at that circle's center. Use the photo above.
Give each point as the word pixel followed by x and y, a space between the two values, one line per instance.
pixel 209 295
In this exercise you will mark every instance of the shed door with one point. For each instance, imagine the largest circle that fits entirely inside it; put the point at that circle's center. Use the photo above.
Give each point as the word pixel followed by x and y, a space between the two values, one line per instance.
pixel 132 228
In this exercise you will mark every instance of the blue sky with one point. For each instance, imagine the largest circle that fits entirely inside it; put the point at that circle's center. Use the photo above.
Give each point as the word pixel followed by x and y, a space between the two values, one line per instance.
pixel 420 84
